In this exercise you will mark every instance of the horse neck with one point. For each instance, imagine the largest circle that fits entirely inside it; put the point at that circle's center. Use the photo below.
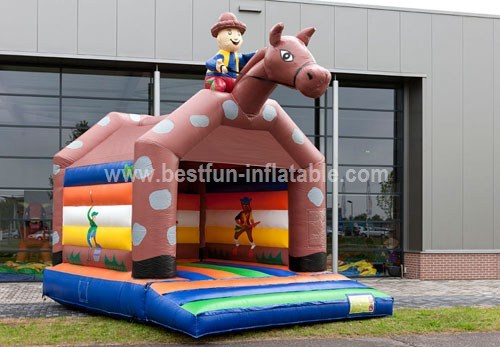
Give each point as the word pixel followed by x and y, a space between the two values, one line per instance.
pixel 253 89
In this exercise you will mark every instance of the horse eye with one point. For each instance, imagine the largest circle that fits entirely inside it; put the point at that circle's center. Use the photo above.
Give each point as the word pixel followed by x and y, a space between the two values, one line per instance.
pixel 286 55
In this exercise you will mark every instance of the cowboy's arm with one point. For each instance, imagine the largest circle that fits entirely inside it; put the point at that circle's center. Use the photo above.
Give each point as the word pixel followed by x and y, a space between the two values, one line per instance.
pixel 245 58
pixel 88 213
pixel 211 63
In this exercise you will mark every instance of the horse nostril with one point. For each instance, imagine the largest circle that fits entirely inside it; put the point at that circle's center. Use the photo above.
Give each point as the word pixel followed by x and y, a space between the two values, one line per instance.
pixel 309 76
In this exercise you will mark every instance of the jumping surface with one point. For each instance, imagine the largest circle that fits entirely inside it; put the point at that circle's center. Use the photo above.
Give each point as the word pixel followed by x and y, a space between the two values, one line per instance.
pixel 216 296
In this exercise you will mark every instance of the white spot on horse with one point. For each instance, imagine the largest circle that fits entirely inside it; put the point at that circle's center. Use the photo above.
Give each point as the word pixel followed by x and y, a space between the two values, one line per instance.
pixel 230 109
pixel 105 121
pixel 135 117
pixel 160 199
pixel 172 235
pixel 55 238
pixel 75 144
pixel 298 136
pixel 138 233
pixel 269 113
pixel 164 127
pixel 143 167
pixel 56 169
pixel 199 121
pixel 315 196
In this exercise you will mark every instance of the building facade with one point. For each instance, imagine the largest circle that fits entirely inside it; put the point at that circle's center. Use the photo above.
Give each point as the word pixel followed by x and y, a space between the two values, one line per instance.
pixel 419 104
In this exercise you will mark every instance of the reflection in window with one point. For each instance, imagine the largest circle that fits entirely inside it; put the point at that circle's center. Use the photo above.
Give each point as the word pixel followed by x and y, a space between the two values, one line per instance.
pixel 22 110
pixel 28 80
pixel 25 234
pixel 179 88
pixel 40 142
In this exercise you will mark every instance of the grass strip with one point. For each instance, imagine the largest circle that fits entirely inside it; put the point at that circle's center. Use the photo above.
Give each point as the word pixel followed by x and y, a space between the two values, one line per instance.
pixel 104 330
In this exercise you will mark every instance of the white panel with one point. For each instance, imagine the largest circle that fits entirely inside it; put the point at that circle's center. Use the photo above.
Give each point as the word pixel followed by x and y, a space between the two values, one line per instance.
pixel 108 216
pixel 205 15
pixel 415 42
pixel 97 27
pixel 285 12
pixel 496 147
pixel 187 218
pixel 255 36
pixel 18 25
pixel 57 26
pixel 136 28
pixel 174 29
pixel 351 38
pixel 322 43
pixel 478 133
pixel 383 40
pixel 447 133
pixel 267 219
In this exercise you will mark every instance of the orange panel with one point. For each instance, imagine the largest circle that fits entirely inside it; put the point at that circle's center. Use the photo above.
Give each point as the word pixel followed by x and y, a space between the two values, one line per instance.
pixel 275 200
pixel 102 194
pixel 218 274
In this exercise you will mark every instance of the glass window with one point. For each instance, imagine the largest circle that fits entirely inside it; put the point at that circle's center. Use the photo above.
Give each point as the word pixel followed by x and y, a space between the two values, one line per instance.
pixel 365 123
pixel 366 151
pixel 25 234
pixel 91 110
pixel 179 88
pixel 31 142
pixel 303 117
pixel 23 110
pixel 290 97
pixel 25 173
pixel 367 98
pixel 169 107
pixel 360 179
pixel 28 80
pixel 106 84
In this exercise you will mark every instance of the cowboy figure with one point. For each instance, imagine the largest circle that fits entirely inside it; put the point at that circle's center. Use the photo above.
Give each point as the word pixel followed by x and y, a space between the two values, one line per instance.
pixel 92 232
pixel 223 68
pixel 244 222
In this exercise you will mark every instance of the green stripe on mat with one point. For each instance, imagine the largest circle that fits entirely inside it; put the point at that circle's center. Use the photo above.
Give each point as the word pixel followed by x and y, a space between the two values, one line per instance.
pixel 272 299
pixel 235 270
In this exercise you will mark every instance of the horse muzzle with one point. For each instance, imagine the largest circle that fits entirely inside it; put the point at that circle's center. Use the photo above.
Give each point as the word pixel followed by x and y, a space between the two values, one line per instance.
pixel 313 80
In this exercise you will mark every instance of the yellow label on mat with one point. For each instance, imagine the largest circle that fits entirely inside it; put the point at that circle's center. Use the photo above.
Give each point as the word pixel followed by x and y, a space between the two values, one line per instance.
pixel 361 303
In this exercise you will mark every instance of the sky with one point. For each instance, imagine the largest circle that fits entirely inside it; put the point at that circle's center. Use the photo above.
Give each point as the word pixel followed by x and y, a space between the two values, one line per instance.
pixel 475 6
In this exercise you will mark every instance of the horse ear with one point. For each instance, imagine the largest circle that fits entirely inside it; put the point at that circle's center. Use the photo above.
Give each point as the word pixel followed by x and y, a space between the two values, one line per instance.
pixel 275 34
pixel 305 35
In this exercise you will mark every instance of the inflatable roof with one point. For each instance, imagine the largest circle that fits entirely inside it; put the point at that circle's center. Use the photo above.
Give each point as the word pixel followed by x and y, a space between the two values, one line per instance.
pixel 203 257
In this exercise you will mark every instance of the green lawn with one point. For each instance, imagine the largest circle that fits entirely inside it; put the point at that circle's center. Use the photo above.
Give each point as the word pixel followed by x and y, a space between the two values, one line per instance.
pixel 103 330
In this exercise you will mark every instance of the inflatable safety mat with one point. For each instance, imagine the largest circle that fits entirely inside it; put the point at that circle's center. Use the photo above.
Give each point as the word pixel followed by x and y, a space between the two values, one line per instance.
pixel 216 296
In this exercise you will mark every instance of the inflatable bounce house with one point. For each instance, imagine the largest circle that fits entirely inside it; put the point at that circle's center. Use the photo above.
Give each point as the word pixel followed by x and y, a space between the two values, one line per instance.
pixel 203 257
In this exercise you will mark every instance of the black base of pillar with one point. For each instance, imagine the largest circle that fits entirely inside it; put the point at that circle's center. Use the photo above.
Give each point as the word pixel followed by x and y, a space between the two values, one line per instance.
pixel 56 258
pixel 310 263
pixel 157 267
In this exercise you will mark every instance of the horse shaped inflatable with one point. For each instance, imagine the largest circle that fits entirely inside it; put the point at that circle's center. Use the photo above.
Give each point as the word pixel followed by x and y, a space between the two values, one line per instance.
pixel 163 249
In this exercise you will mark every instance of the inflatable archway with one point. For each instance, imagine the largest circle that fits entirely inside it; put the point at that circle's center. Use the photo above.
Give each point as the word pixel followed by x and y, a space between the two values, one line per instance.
pixel 197 257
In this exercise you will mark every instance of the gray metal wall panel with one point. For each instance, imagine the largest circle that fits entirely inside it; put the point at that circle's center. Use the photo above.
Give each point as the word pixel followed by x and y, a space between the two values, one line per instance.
pixel 383 41
pixel 427 180
pixel 416 42
pixel 286 12
pixel 97 27
pixel 351 38
pixel 57 26
pixel 322 43
pixel 256 35
pixel 136 28
pixel 478 133
pixel 174 29
pixel 205 14
pixel 496 147
pixel 447 133
pixel 18 25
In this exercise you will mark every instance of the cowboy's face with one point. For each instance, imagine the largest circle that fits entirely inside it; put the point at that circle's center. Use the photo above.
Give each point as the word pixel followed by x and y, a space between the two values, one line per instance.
pixel 246 207
pixel 229 39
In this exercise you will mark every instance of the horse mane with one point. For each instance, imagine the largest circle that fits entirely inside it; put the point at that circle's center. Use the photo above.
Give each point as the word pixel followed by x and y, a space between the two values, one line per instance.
pixel 255 59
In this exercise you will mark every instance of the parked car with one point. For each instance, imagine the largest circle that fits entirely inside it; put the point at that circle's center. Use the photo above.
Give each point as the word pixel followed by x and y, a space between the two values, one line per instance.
pixel 375 232
pixel 40 235
pixel 10 234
